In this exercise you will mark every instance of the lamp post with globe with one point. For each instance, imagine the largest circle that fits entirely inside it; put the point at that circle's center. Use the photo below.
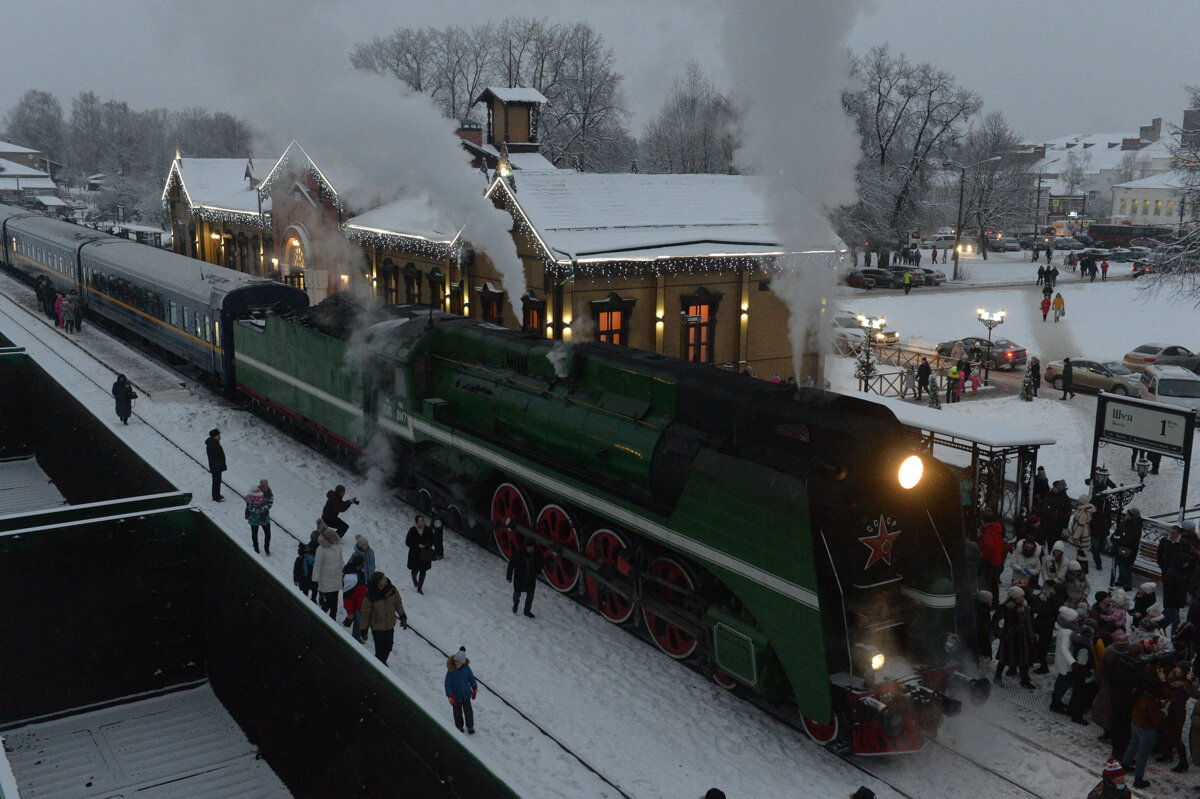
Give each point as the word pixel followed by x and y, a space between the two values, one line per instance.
pixel 991 320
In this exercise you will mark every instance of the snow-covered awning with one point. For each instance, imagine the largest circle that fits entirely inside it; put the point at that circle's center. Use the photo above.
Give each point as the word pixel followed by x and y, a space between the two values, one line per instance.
pixel 956 425
pixel 512 94
pixel 50 201
pixel 23 184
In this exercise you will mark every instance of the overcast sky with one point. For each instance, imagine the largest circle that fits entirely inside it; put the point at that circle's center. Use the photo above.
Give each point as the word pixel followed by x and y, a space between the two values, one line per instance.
pixel 1052 66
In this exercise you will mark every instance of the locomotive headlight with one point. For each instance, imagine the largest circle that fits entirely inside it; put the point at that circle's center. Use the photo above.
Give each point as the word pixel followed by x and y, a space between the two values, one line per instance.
pixel 910 471
pixel 877 661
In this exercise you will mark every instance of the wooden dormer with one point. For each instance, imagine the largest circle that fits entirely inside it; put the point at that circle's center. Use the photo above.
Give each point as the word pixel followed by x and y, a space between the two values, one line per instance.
pixel 512 117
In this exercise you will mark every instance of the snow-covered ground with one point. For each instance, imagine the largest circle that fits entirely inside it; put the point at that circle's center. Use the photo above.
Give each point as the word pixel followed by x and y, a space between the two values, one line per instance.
pixel 650 725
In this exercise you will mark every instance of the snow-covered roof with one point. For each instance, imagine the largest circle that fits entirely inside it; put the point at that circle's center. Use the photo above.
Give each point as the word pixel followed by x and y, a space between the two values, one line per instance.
pixel 1164 180
pixel 24 184
pixel 49 200
pixel 411 217
pixel 217 183
pixel 956 425
pixel 296 158
pixel 25 487
pixel 11 169
pixel 638 216
pixel 512 94
pixel 1103 151
pixel 9 147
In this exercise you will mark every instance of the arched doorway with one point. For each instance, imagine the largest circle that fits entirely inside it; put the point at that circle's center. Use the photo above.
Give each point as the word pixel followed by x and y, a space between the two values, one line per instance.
pixel 296 251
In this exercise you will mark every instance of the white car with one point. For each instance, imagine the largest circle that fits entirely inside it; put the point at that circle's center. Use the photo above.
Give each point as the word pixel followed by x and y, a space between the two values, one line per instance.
pixel 1171 385
pixel 848 336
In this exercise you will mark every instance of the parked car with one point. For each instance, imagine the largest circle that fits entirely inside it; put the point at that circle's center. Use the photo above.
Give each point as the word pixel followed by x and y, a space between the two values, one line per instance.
pixel 1171 385
pixel 1189 362
pixel 1139 358
pixel 943 241
pixel 1086 241
pixel 1066 243
pixel 1004 353
pixel 1006 244
pixel 1098 253
pixel 933 277
pixel 884 278
pixel 1107 376
pixel 858 280
pixel 848 335
pixel 1120 255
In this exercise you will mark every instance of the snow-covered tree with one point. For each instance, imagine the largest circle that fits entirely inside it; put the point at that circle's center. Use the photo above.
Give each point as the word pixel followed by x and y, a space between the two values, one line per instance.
pixel 933 400
pixel 36 121
pixel 863 369
pixel 694 130
pixel 1074 173
pixel 1132 166
pixel 1026 392
pixel 995 193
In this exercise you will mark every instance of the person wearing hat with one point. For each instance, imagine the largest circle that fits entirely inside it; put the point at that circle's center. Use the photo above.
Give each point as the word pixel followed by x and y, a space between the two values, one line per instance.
pixel 1064 660
pixel 1079 529
pixel 327 571
pixel 1125 544
pixel 381 608
pixel 1016 637
pixel 1146 720
pixel 983 626
pixel 992 553
pixel 1149 632
pixel 362 546
pixel 1112 782
pixel 1175 562
pixel 1055 512
pixel 1076 583
pixel 1041 485
pixel 522 572
pixel 258 514
pixel 216 462
pixel 1054 565
pixel 1102 707
pixel 461 688
pixel 1142 600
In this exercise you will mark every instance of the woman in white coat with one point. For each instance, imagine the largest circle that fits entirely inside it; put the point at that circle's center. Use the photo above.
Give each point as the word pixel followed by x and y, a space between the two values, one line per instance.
pixel 327 571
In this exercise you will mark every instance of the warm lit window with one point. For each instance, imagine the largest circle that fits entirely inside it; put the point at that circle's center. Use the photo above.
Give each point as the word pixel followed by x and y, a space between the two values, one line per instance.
pixel 533 314
pixel 699 325
pixel 1158 207
pixel 1145 207
pixel 491 304
pixel 610 319
pixel 1123 203
pixel 1170 207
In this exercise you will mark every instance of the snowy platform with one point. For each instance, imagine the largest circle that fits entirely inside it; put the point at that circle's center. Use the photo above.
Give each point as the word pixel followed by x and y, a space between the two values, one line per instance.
pixel 25 487
pixel 179 746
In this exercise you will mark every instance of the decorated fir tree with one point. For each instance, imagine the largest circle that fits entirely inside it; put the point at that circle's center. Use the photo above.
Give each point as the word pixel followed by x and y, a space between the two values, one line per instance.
pixel 864 368
pixel 1026 392
pixel 934 401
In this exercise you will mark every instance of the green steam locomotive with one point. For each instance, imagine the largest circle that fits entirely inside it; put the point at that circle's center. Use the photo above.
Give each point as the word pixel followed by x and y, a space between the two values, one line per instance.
pixel 796 543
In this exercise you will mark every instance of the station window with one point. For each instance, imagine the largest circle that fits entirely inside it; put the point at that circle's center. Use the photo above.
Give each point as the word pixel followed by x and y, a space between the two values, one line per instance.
pixel 1123 202
pixel 699 325
pixel 1170 207
pixel 491 304
pixel 1145 208
pixel 412 283
pixel 610 319
pixel 456 298
pixel 1158 207
pixel 437 287
pixel 533 313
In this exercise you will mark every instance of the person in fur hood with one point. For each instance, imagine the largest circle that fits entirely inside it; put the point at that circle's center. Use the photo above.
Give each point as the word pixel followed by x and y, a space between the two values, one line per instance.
pixel 461 689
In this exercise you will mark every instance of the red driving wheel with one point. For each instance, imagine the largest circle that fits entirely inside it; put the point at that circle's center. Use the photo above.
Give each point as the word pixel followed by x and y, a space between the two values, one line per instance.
pixel 603 546
pixel 670 638
pixel 555 524
pixel 508 505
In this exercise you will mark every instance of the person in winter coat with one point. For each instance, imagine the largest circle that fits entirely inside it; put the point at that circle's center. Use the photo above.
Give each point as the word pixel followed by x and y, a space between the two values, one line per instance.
pixel 1149 633
pixel 923 373
pixel 216 462
pixel 123 394
pixel 302 569
pixel 909 383
pixel 335 505
pixel 354 588
pixel 1172 729
pixel 992 551
pixel 1112 782
pixel 1054 565
pixel 1145 597
pixel 437 520
pixel 1028 556
pixel 258 513
pixel 1060 306
pixel 1068 378
pixel 327 571
pixel 1041 485
pixel 1041 276
pixel 1055 512
pixel 363 547
pixel 1015 621
pixel 59 303
pixel 1079 529
pixel 381 608
pixel 983 627
pixel 1035 372
pixel 1128 673
pixel 461 688
pixel 70 308
pixel 522 572
pixel 1102 708
pixel 952 377
pixel 1045 306
pixel 1192 684
pixel 1076 583
pixel 1044 605
pixel 1175 561
pixel 420 552
pixel 1064 659
pixel 1149 710
pixel 1125 546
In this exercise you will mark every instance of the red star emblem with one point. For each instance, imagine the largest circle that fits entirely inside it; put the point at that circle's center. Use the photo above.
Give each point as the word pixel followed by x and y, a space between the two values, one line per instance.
pixel 880 544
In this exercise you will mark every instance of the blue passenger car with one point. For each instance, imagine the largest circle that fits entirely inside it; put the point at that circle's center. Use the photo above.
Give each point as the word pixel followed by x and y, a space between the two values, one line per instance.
pixel 181 304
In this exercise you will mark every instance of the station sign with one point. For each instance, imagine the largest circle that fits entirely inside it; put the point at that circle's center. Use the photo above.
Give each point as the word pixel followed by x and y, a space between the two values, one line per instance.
pixel 1144 425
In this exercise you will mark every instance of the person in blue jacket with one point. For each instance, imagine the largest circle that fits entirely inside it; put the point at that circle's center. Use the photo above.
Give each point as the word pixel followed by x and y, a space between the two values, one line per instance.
pixel 460 689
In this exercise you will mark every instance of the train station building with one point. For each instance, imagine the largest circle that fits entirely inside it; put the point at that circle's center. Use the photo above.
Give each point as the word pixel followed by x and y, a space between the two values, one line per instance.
pixel 675 264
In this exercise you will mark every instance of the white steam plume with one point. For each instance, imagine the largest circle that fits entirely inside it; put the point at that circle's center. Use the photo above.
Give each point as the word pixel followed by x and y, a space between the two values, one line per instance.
pixel 788 63
pixel 285 66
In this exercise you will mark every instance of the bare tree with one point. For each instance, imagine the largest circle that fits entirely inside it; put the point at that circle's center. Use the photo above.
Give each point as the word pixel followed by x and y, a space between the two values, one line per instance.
pixel 995 193
pixel 36 121
pixel 905 114
pixel 694 130
pixel 1074 173
pixel 1133 166
pixel 1176 269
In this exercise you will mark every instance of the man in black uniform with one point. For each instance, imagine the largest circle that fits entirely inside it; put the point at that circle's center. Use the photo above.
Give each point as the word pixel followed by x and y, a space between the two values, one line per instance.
pixel 522 573
pixel 216 462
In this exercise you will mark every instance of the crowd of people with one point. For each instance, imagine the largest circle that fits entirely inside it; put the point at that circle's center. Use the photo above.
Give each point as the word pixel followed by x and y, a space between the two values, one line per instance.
pixel 1123 658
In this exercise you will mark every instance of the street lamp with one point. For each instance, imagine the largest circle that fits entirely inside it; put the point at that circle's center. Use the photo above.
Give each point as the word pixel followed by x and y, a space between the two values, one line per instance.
pixel 1037 203
pixel 991 321
pixel 872 328
pixel 962 183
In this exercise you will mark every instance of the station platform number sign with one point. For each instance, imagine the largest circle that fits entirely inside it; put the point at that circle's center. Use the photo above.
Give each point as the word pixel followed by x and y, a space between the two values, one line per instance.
pixel 1144 425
